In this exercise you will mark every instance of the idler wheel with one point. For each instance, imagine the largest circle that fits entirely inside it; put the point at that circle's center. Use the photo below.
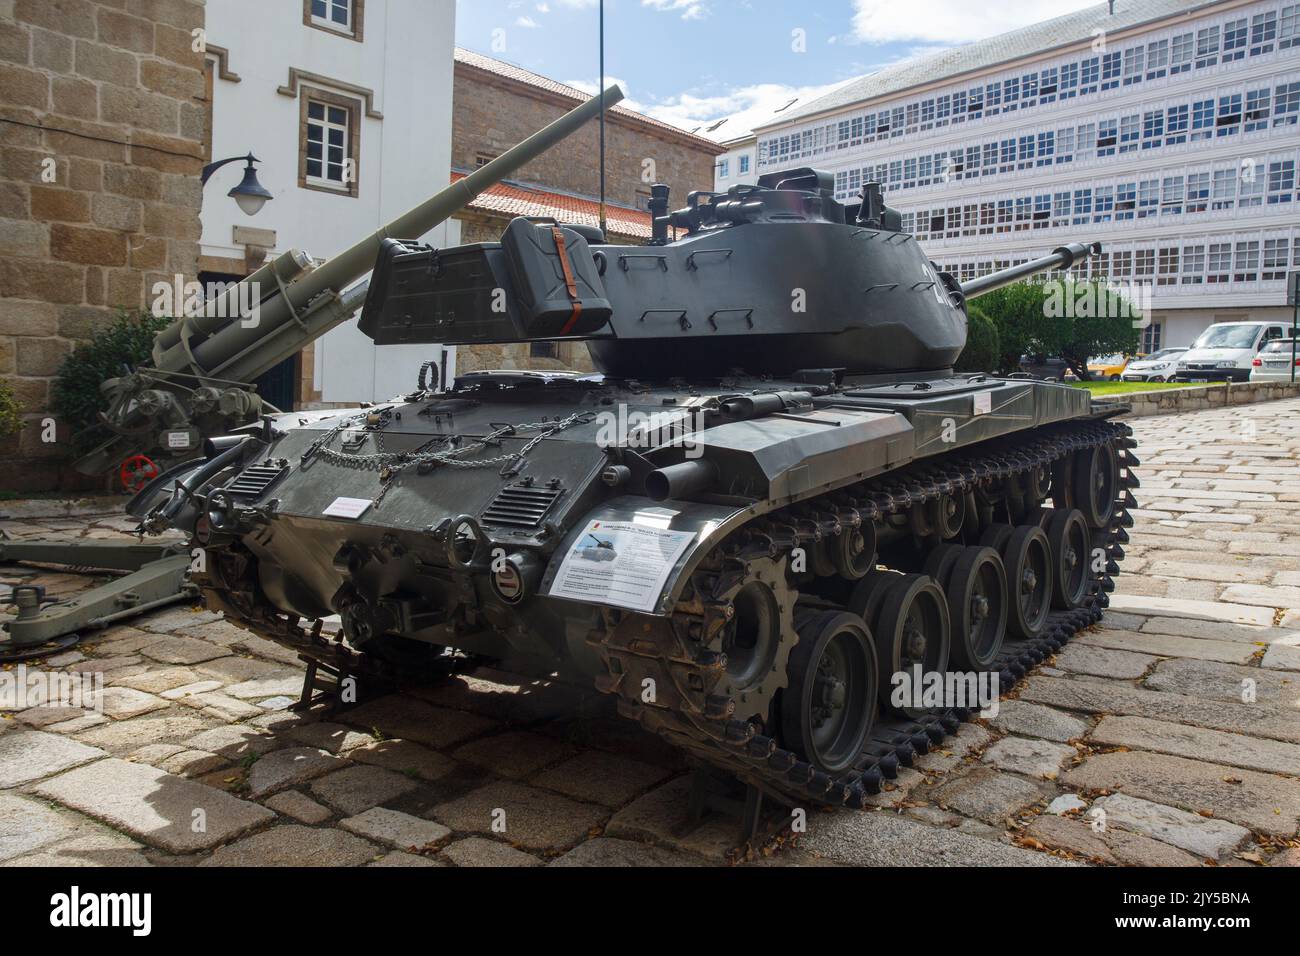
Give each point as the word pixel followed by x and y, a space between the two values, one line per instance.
pixel 1027 556
pixel 976 588
pixel 1096 484
pixel 913 629
pixel 1070 539
pixel 830 704
pixel 752 636
pixel 854 551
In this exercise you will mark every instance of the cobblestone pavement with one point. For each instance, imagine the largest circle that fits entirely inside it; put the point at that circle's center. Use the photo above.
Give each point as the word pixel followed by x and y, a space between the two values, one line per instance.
pixel 1169 735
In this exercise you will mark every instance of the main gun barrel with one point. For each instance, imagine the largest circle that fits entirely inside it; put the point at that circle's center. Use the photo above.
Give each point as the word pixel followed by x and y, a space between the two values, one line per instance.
pixel 1063 257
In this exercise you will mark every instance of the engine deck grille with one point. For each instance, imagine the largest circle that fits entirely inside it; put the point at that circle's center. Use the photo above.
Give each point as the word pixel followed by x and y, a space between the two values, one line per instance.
pixel 255 481
pixel 521 507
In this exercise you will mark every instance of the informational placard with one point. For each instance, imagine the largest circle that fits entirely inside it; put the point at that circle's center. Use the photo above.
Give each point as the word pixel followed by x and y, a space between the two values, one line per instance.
pixel 347 508
pixel 620 564
pixel 983 403
pixel 178 439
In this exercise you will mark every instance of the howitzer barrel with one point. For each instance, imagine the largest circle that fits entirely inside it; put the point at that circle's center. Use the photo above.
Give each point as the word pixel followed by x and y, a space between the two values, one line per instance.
pixel 1063 257
pixel 239 349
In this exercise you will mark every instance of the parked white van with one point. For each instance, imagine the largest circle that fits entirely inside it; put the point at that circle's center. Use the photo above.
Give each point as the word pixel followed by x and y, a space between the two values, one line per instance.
pixel 1225 351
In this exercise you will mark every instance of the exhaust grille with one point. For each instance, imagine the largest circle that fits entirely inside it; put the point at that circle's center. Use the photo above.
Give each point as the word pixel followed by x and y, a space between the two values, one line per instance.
pixel 255 481
pixel 520 507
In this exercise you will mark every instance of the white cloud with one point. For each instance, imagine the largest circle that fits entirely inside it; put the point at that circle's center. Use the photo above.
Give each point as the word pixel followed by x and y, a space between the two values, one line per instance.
pixel 951 21
pixel 743 108
pixel 527 22
pixel 691 9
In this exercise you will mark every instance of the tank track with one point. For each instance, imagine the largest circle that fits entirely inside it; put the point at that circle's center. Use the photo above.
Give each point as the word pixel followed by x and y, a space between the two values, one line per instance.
pixel 687 710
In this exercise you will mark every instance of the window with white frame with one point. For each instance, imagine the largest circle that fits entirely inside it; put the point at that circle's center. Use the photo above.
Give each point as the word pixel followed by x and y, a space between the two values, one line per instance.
pixel 1193 265
pixel 1151 337
pixel 329 163
pixel 1288 33
pixel 337 16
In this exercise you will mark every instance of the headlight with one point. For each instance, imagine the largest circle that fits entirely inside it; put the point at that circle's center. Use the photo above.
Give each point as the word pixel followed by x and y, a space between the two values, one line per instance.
pixel 1182 365
pixel 1157 367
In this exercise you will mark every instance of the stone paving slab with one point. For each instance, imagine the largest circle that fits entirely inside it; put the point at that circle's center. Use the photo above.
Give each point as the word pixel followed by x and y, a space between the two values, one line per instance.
pixel 1214 746
pixel 883 839
pixel 408 719
pixel 293 845
pixel 1113 697
pixel 354 790
pixel 605 852
pixel 154 807
pixel 1112 846
pixel 1198 610
pixel 1206 837
pixel 1259 801
pixel 532 818
pixel 398 830
pixel 479 852
pixel 1164 645
pixel 1214 681
pixel 1035 720
pixel 1096 659
pixel 30 755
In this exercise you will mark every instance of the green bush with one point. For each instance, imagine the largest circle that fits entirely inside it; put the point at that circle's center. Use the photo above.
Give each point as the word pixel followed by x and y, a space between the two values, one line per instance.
pixel 76 398
pixel 10 411
pixel 982 349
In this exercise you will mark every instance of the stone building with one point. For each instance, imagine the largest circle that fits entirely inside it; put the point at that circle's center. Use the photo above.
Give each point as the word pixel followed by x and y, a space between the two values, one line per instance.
pixel 102 119
pixel 497 105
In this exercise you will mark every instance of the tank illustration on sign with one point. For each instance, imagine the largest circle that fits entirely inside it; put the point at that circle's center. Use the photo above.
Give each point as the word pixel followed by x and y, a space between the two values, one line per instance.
pixel 831 514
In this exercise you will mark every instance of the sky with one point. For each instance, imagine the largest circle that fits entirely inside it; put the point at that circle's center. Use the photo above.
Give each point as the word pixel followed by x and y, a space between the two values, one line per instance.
pixel 695 62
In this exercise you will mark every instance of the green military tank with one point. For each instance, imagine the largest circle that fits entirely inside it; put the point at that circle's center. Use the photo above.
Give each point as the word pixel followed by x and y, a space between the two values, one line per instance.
pixel 773 508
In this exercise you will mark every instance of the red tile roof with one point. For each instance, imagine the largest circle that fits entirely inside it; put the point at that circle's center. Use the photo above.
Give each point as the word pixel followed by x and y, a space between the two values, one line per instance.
pixel 520 75
pixel 519 199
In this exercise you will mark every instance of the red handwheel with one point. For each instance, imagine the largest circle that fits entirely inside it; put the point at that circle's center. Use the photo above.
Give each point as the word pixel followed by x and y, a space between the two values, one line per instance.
pixel 137 471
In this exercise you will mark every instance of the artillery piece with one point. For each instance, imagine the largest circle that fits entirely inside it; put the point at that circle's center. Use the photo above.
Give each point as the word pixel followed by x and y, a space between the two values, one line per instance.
pixel 194 387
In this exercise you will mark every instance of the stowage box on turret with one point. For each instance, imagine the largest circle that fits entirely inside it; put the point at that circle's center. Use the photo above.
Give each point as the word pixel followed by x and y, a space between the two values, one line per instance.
pixel 772 513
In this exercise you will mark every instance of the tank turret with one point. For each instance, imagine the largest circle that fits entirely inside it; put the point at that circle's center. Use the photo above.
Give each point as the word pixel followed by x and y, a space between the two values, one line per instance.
pixel 769 279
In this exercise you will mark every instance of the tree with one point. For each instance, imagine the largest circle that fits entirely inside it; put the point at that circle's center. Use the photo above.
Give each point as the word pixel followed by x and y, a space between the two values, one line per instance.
pixel 1072 320
pixel 982 352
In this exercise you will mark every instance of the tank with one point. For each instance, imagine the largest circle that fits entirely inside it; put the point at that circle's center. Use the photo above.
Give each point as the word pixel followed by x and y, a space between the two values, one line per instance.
pixel 770 517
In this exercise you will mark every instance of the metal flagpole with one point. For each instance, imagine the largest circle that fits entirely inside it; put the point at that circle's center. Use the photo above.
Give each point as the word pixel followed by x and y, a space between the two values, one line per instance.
pixel 603 223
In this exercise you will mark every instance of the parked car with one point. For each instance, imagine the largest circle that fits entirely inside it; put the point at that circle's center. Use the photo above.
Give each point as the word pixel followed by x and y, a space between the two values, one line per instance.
pixel 1225 351
pixel 1156 367
pixel 1048 368
pixel 1273 363
pixel 1108 368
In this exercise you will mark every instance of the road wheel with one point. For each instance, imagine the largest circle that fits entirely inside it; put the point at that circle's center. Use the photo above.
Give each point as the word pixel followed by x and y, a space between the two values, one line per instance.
pixel 830 704
pixel 1096 484
pixel 1069 537
pixel 1028 560
pixel 976 589
pixel 913 630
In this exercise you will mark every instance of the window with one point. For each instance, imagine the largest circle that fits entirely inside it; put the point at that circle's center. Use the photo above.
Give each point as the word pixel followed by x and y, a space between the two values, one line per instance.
pixel 1130 130
pixel 1286 104
pixel 1177 120
pixel 1144 263
pixel 1089 73
pixel 1229 115
pixel 1246 262
pixel 1193 265
pixel 1257 108
pixel 1134 63
pixel 744 164
pixel 724 169
pixel 1263 31
pixel 1157 59
pixel 1225 188
pixel 1168 266
pixel 1234 40
pixel 1107 136
pixel 1207 47
pixel 1202 119
pixel 1250 188
pixel 1288 34
pixel 482 159
pixel 1148 198
pixel 1151 337
pixel 1281 181
pixel 1153 129
pixel 1198 192
pixel 1111 66
pixel 330 142
pixel 1275 259
pixel 344 17
pixel 1220 263
pixel 1171 196
pixel 1182 54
